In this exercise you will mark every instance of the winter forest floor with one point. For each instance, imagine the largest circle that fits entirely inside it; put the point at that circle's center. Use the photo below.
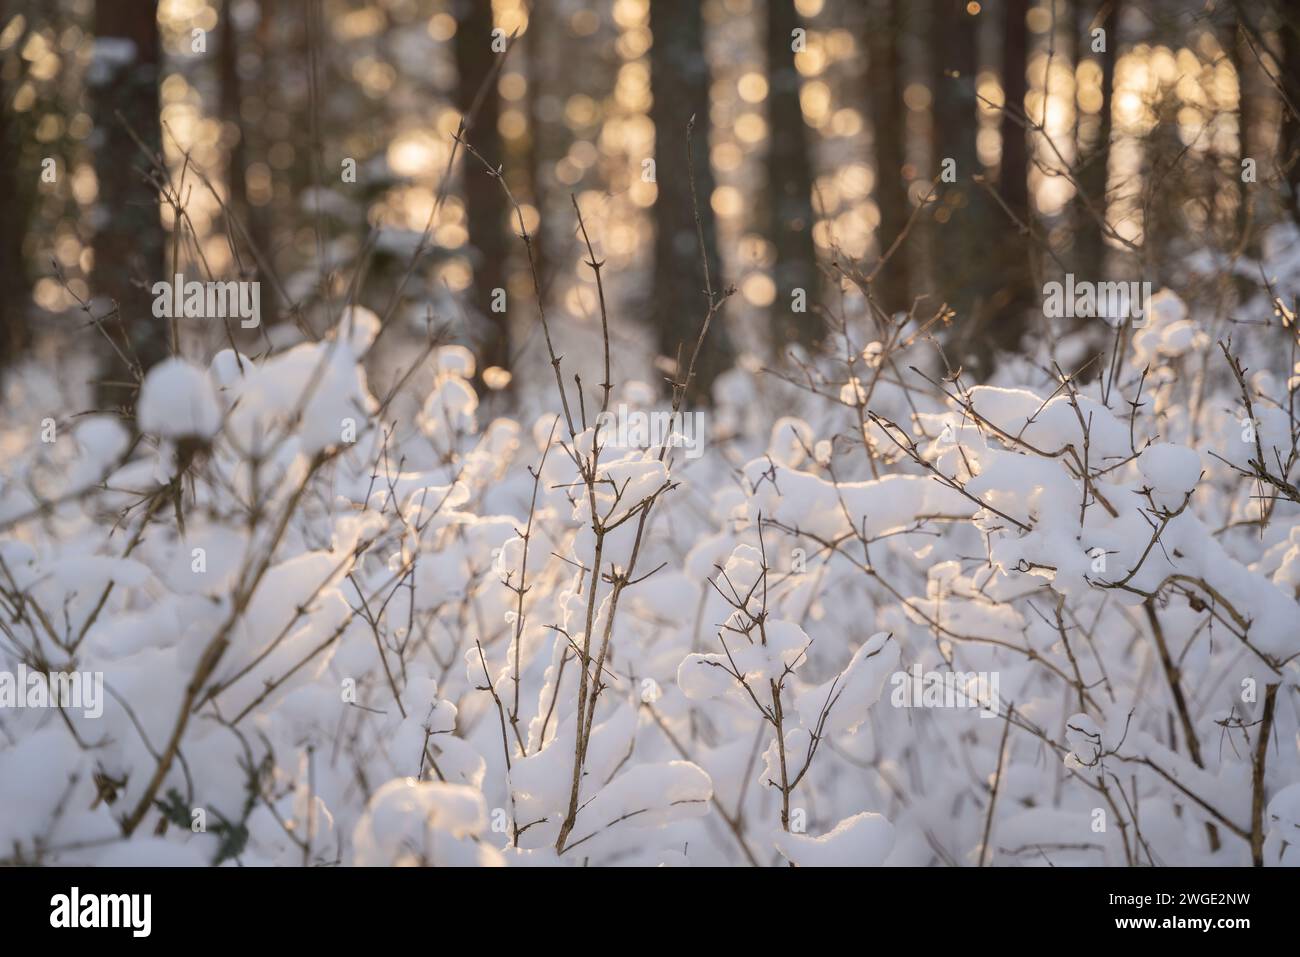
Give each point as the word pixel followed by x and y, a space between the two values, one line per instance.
pixel 859 613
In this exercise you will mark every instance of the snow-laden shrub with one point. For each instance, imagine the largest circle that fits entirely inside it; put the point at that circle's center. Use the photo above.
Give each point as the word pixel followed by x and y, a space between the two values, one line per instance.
pixel 889 618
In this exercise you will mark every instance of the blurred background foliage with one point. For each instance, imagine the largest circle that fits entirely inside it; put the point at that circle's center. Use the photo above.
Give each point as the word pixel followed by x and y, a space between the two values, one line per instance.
pixel 1101 138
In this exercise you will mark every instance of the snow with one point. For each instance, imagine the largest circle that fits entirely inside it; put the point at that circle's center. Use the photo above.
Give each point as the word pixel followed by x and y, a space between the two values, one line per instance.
pixel 1282 845
pixel 790 442
pixel 704 676
pixel 152 852
pixel 863 840
pixel 851 694
pixel 409 822
pixel 346 602
pixel 177 401
pixel 1170 468
pixel 1085 738
pixel 648 795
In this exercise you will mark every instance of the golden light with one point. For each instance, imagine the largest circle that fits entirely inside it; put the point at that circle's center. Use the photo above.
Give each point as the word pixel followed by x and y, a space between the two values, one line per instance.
pixel 846 122
pixel 916 96
pixel 413 153
pixel 758 289
pixel 815 98
pixel 495 377
pixel 512 124
pixel 442 26
pixel 727 157
pixel 631 13
pixel 727 201
pixel 512 86
pixel 750 128
pixel 456 274
pixel 752 87
pixel 580 110
pixel 812 61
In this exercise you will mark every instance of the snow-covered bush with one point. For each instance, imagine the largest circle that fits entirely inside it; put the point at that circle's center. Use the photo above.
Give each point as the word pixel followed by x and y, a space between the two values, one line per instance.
pixel 890 618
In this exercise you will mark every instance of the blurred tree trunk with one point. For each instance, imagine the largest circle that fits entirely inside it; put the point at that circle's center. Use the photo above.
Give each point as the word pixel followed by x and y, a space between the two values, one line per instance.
pixel 1289 76
pixel 885 83
pixel 231 95
pixel 259 216
pixel 253 219
pixel 484 200
pixel 789 182
pixel 1015 295
pixel 1076 42
pixel 15 287
pixel 679 80
pixel 963 254
pixel 1233 40
pixel 535 56
pixel 1090 246
pixel 551 48
pixel 129 240
pixel 1012 181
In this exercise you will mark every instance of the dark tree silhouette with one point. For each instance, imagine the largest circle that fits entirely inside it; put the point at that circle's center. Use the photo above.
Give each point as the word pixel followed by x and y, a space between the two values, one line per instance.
pixel 15 205
pixel 964 257
pixel 1090 246
pixel 485 204
pixel 534 154
pixel 232 95
pixel 789 179
pixel 129 247
pixel 259 224
pixel 1015 295
pixel 1235 43
pixel 679 79
pixel 884 33
pixel 1289 78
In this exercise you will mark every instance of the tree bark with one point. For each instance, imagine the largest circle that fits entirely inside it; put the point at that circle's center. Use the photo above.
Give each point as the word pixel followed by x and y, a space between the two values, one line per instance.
pixel 679 80
pixel 1289 76
pixel 1015 296
pixel 1090 245
pixel 15 206
pixel 534 154
pixel 484 201
pixel 129 241
pixel 789 182
pixel 231 96
pixel 885 85
pixel 964 263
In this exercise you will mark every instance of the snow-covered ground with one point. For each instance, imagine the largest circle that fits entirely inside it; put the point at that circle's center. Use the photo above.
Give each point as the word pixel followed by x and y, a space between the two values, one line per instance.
pixel 887 617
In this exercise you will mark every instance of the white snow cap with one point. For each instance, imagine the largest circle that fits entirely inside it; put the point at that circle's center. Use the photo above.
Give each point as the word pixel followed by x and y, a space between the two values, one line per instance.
pixel 455 361
pixel 102 438
pixel 177 400
pixel 1084 738
pixel 228 367
pixel 791 438
pixel 850 694
pixel 410 822
pixel 359 327
pixel 1170 468
pixel 863 840
pixel 1166 306
pixel 1282 845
